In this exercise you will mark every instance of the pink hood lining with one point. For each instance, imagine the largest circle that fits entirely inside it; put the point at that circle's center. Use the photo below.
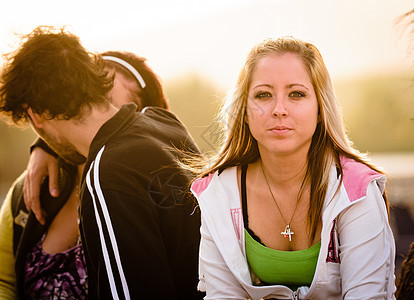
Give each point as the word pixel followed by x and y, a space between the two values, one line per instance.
pixel 200 184
pixel 356 178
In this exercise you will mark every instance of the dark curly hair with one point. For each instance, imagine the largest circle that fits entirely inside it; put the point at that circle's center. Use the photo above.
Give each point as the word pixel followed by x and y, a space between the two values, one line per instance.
pixel 405 284
pixel 53 74
pixel 153 94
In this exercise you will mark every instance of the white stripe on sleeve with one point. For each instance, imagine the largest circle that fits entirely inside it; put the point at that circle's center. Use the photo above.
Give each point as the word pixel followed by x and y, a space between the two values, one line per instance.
pixel 111 233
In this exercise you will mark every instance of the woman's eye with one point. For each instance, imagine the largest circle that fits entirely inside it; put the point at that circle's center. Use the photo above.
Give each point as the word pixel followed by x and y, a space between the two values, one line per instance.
pixel 262 95
pixel 296 94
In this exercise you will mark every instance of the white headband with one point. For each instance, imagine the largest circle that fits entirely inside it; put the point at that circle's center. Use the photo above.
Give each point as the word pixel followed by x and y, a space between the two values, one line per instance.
pixel 128 67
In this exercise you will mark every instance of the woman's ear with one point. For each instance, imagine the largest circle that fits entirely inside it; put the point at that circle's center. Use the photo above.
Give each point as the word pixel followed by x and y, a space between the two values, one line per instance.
pixel 37 119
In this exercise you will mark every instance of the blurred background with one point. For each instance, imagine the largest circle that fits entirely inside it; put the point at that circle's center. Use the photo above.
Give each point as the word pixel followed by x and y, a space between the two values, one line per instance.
pixel 197 48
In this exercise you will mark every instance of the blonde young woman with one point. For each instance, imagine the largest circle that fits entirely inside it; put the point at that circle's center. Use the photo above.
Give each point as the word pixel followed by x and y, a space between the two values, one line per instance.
pixel 290 210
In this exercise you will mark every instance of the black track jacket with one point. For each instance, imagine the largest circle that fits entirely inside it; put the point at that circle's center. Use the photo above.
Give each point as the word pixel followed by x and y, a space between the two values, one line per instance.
pixel 138 228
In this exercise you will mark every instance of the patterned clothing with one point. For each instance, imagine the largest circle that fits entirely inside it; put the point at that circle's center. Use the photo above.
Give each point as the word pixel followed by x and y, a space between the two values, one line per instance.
pixel 20 232
pixel 55 276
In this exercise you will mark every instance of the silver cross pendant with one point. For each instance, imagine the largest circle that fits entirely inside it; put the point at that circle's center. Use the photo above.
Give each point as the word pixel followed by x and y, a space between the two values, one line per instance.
pixel 287 233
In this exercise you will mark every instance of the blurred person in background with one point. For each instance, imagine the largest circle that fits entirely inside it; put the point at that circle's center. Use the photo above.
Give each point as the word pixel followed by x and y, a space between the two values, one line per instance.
pixel 405 284
pixel 39 273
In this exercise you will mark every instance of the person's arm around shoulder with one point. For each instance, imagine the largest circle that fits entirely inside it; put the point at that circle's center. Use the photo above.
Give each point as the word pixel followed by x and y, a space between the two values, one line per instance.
pixel 367 248
pixel 41 164
pixel 7 259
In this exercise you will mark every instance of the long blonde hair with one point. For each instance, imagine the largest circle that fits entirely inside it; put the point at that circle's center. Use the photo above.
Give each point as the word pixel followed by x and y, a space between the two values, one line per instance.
pixel 329 140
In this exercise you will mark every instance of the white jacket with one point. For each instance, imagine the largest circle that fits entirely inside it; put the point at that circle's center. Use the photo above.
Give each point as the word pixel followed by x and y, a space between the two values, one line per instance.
pixel 360 266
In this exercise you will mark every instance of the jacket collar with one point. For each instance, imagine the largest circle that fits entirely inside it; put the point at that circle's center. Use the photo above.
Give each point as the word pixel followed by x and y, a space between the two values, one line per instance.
pixel 108 130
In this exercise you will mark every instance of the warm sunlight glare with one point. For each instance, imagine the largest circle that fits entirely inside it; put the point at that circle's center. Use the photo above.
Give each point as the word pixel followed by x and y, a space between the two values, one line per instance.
pixel 212 37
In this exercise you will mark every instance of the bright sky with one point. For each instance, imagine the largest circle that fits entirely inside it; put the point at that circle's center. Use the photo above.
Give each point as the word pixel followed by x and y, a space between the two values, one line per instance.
pixel 211 37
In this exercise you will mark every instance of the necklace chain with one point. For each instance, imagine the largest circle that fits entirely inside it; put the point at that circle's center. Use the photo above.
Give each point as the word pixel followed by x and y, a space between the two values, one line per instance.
pixel 287 232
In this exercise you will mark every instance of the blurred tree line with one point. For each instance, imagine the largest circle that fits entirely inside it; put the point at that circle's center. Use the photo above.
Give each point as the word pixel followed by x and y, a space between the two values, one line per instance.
pixel 378 110
pixel 14 152
pixel 195 100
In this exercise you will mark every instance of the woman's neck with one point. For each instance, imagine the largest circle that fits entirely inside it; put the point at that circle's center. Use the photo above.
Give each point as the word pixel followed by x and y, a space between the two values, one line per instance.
pixel 284 170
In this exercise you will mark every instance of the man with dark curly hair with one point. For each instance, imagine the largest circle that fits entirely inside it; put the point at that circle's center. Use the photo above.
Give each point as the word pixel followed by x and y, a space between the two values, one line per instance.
pixel 138 234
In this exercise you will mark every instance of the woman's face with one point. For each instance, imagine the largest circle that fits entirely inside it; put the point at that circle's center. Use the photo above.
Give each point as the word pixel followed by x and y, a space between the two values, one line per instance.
pixel 282 109
pixel 125 90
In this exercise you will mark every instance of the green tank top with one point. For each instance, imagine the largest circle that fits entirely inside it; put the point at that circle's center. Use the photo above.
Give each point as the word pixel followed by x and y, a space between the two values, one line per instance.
pixel 290 268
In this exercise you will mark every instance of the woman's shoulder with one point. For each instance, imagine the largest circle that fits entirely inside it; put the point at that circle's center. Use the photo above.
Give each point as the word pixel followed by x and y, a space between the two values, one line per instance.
pixel 356 177
pixel 201 184
pixel 225 178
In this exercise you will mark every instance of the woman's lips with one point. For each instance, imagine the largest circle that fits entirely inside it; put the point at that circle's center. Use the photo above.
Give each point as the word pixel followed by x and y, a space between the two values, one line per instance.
pixel 280 130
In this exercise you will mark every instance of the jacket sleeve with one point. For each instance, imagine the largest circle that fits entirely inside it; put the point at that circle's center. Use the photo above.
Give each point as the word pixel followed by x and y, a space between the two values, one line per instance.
pixel 367 249
pixel 215 277
pixel 125 253
pixel 7 275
